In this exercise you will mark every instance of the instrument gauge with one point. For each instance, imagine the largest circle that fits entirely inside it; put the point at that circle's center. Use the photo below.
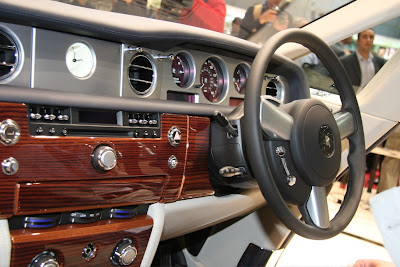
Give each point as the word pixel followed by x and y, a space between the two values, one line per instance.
pixel 81 60
pixel 182 70
pixel 240 76
pixel 212 80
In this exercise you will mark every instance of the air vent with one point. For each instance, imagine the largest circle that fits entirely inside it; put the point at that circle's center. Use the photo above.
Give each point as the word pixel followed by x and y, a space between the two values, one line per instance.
pixel 141 74
pixel 9 56
pixel 275 88
pixel 42 221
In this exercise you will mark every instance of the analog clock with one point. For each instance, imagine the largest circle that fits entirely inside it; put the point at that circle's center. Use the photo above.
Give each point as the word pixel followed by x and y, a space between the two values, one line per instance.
pixel 81 60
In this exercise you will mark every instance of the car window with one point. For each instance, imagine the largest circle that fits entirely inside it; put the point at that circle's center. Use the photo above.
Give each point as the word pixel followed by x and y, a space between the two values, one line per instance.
pixel 258 20
pixel 379 45
pixel 253 20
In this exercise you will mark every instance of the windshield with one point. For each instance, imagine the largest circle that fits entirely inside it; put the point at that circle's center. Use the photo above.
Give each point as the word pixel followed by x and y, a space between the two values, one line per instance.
pixel 258 20
pixel 252 20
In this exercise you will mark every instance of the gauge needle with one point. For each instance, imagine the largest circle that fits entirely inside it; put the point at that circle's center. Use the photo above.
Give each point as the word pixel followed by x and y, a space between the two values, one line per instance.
pixel 74 59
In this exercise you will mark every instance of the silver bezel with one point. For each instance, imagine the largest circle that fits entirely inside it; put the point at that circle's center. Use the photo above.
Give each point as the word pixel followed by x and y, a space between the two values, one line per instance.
pixel 225 75
pixel 192 67
pixel 150 90
pixel 246 67
pixel 94 64
pixel 19 55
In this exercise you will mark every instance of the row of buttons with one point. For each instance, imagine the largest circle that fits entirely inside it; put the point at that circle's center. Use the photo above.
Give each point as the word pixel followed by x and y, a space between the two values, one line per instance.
pixel 49 117
pixel 38 113
pixel 64 132
pixel 150 119
pixel 143 122
pixel 51 131
pixel 145 134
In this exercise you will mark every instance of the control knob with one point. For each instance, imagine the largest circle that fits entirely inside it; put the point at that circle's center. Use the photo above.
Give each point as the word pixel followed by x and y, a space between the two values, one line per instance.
pixel 10 166
pixel 45 259
pixel 9 132
pixel 124 253
pixel 104 158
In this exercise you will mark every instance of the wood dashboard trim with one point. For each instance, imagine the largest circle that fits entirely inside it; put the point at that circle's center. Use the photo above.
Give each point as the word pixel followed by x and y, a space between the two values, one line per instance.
pixel 51 161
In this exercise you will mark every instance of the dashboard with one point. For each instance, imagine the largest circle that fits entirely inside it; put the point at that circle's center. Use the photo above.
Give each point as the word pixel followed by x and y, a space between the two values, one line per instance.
pixel 73 63
pixel 97 124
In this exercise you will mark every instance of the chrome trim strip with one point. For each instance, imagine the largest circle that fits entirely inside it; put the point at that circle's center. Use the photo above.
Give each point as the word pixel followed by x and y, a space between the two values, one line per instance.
pixel 33 58
pixel 121 69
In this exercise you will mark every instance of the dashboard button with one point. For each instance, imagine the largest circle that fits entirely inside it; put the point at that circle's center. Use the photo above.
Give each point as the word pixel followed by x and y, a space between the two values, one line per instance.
pixel 45 259
pixel 9 132
pixel 124 253
pixel 174 136
pixel 10 166
pixel 104 158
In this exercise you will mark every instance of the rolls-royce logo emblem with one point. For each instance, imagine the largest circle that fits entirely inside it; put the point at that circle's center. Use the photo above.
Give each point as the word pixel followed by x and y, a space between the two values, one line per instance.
pixel 174 136
pixel 326 141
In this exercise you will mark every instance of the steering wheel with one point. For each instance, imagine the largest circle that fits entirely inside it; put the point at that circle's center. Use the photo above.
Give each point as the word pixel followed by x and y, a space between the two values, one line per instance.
pixel 295 150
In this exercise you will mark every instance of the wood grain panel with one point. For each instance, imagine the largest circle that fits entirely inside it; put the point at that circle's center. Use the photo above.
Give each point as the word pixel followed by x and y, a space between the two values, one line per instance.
pixel 67 160
pixel 51 196
pixel 196 182
pixel 173 186
pixel 17 112
pixel 68 241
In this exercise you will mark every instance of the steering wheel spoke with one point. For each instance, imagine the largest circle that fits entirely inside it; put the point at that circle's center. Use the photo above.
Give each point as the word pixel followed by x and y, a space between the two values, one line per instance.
pixel 345 123
pixel 275 123
pixel 317 208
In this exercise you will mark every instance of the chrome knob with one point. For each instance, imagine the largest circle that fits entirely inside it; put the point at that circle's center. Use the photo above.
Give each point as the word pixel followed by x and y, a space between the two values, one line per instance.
pixel 174 136
pixel 9 132
pixel 104 158
pixel 10 166
pixel 124 253
pixel 45 259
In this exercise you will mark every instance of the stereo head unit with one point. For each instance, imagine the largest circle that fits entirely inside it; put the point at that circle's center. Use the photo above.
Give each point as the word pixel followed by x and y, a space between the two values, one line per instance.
pixel 68 121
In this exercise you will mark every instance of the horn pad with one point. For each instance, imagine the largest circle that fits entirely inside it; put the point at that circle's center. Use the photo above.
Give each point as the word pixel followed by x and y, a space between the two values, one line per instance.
pixel 315 142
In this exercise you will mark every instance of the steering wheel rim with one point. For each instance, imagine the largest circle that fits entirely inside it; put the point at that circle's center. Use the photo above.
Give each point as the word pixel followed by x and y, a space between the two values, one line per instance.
pixel 255 144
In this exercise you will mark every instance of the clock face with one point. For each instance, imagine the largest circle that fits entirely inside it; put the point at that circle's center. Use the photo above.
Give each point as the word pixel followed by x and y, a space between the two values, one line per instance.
pixel 80 60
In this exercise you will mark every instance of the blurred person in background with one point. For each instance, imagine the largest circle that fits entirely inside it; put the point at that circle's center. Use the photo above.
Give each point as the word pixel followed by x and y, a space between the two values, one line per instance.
pixel 390 167
pixel 131 7
pixel 257 15
pixel 362 65
pixel 236 26
pixel 207 14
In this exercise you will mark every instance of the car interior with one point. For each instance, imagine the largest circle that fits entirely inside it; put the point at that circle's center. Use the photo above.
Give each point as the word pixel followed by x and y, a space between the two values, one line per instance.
pixel 128 140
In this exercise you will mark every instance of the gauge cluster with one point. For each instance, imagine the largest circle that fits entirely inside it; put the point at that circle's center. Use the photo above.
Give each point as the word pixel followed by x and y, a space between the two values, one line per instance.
pixel 201 77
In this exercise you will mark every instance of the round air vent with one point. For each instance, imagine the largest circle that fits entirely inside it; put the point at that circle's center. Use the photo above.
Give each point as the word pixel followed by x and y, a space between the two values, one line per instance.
pixel 275 88
pixel 10 56
pixel 141 74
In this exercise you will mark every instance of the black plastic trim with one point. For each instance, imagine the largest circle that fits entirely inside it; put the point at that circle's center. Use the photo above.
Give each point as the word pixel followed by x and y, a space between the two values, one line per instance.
pixel 58 98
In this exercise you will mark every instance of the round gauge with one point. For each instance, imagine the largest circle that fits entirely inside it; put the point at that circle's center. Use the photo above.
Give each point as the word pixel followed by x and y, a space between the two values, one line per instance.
pixel 81 60
pixel 240 77
pixel 182 70
pixel 212 82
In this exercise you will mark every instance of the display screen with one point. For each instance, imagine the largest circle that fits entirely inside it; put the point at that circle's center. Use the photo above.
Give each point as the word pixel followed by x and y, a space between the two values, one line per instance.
pixel 102 117
pixel 186 97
